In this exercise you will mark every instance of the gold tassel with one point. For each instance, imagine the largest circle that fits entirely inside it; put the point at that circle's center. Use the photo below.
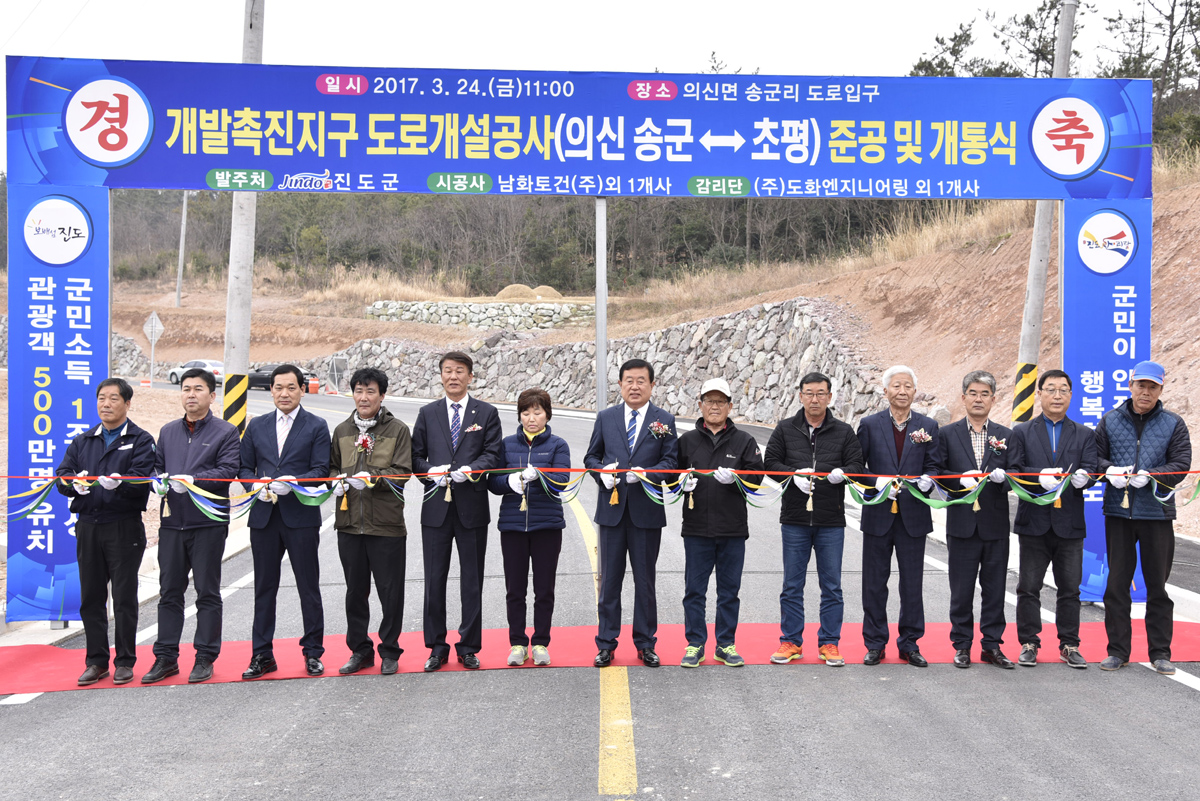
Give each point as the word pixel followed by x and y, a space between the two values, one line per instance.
pixel 1125 499
pixel 808 506
pixel 448 482
pixel 1058 503
pixel 167 510
pixel 612 501
pixel 895 507
pixel 524 496
pixel 975 506
pixel 345 506
pixel 690 504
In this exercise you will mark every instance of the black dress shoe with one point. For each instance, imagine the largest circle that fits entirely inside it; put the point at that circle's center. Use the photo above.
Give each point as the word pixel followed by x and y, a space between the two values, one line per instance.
pixel 914 658
pixel 389 666
pixel 874 656
pixel 996 657
pixel 260 665
pixel 962 658
pixel 122 675
pixel 434 662
pixel 313 666
pixel 648 657
pixel 469 661
pixel 162 668
pixel 201 671
pixel 92 675
pixel 356 663
pixel 603 658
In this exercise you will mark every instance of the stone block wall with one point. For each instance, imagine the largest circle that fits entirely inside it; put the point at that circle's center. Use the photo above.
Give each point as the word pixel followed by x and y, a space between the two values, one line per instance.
pixel 509 316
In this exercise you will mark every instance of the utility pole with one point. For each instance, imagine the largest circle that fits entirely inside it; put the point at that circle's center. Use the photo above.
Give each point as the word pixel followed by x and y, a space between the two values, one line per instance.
pixel 601 304
pixel 1039 251
pixel 241 258
pixel 182 245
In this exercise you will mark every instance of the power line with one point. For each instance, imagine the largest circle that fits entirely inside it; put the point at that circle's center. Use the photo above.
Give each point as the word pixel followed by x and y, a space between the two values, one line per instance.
pixel 69 24
pixel 22 25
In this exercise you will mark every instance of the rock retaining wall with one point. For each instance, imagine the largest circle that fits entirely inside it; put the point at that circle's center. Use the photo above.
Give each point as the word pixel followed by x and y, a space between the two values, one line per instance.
pixel 510 316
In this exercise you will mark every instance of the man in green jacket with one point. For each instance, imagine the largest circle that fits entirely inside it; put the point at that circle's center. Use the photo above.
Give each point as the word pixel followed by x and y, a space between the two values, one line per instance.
pixel 369 518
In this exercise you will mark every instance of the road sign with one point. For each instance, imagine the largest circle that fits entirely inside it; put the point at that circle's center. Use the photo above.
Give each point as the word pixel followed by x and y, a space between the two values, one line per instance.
pixel 153 329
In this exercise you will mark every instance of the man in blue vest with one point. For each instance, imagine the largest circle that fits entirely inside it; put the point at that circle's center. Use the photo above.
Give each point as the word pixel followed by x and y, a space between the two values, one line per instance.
pixel 1145 451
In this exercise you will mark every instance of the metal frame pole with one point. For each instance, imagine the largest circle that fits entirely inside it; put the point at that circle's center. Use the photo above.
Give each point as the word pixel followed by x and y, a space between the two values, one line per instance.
pixel 601 303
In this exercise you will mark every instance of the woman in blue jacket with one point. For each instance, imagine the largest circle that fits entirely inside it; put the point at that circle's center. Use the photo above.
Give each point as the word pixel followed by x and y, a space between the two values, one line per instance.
pixel 531 523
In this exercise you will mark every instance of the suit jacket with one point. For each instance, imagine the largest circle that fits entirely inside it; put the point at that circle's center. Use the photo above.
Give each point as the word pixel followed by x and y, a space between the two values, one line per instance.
pixel 480 447
pixel 956 456
pixel 305 455
pixel 1029 452
pixel 609 444
pixel 879 452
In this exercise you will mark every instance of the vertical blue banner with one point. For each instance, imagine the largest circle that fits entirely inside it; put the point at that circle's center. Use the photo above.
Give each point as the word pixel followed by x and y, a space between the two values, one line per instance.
pixel 1106 331
pixel 58 341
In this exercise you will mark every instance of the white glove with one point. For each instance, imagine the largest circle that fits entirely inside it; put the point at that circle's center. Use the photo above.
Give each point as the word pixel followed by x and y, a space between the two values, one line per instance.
pixel 1141 479
pixel 924 483
pixel 357 480
pixel 804 480
pixel 110 481
pixel 1117 477
pixel 1079 478
pixel 997 476
pixel 530 474
pixel 439 475
pixel 515 484
pixel 264 494
pixel 177 482
pixel 339 486
pixel 690 483
pixel 836 476
pixel 635 475
pixel 460 475
pixel 885 483
pixel 968 482
pixel 82 487
pixel 162 486
pixel 1048 478
pixel 279 488
pixel 723 475
pixel 609 480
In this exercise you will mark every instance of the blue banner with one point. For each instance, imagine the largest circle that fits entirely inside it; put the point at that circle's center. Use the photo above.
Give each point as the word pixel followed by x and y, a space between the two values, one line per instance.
pixel 324 129
pixel 1106 331
pixel 58 334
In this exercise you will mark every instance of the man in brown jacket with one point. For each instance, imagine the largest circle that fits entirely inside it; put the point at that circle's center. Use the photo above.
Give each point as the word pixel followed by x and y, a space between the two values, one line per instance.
pixel 369 518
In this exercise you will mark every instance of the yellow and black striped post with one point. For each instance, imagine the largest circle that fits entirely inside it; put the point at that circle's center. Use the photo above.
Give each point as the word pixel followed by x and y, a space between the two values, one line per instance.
pixel 234 405
pixel 1022 409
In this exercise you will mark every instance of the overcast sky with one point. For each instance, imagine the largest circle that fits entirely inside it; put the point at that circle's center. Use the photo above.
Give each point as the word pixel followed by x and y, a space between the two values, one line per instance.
pixel 799 37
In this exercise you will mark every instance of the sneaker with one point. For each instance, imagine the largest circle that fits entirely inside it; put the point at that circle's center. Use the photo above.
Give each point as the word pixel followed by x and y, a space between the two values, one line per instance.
pixel 830 655
pixel 517 655
pixel 786 653
pixel 1164 667
pixel 541 656
pixel 1113 663
pixel 1028 657
pixel 728 655
pixel 1070 654
pixel 692 657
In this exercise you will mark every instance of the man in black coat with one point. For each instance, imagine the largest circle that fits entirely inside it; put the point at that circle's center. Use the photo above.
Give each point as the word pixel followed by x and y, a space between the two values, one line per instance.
pixel 109 535
pixel 715 526
pixel 1054 447
pixel 454 438
pixel 813 515
pixel 976 449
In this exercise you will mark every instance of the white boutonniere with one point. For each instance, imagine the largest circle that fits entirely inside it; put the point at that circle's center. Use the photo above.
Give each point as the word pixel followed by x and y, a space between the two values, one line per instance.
pixel 920 436
pixel 475 427
pixel 997 444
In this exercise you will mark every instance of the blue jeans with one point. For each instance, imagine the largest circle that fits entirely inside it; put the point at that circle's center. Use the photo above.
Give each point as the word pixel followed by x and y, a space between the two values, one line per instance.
pixel 798 543
pixel 701 555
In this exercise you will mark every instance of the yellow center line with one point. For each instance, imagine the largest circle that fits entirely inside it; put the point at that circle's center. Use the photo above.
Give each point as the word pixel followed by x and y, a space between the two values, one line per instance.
pixel 618 760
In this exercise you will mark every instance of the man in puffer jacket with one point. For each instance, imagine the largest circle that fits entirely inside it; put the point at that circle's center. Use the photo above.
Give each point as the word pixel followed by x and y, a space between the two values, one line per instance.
pixel 1141 446
pixel 531 523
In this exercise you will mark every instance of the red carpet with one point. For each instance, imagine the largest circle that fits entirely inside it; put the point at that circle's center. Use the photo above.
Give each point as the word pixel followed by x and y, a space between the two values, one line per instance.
pixel 46 668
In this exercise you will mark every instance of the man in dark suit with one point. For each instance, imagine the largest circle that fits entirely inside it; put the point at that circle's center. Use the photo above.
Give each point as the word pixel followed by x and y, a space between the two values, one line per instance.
pixel 454 438
pixel 1054 446
pixel 639 438
pixel 976 449
pixel 276 448
pixel 896 442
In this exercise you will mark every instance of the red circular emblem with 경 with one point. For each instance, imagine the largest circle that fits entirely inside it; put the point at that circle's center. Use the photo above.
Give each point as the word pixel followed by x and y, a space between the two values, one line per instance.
pixel 108 121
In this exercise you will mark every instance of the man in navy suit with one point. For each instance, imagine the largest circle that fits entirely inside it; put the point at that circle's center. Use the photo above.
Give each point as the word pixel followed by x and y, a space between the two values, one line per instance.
pixel 639 438
pixel 454 440
pixel 1054 446
pixel 976 449
pixel 290 444
pixel 896 442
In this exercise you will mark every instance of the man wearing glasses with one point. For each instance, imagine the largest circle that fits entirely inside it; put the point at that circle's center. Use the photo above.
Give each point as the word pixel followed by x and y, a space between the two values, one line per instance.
pixel 1054 447
pixel 813 515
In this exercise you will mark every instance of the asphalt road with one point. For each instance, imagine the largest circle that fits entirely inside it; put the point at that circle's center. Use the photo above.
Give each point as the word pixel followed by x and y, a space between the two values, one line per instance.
pixel 802 730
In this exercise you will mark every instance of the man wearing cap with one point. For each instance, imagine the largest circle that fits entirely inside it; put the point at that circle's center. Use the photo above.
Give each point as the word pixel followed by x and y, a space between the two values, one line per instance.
pixel 715 526
pixel 813 515
pixel 1144 451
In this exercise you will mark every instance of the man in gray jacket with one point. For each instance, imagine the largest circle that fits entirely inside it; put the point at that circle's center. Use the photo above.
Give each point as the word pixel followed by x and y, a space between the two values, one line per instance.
pixel 194 449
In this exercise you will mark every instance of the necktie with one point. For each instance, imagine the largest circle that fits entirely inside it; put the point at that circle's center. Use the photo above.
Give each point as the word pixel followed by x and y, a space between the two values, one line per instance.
pixel 455 425
pixel 284 428
pixel 631 432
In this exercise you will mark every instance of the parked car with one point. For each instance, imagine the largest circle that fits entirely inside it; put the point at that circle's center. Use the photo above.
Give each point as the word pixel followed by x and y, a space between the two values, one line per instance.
pixel 260 377
pixel 214 367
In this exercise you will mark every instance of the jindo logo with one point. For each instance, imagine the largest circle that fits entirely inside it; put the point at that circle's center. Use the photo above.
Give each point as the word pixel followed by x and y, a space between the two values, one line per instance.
pixel 57 231
pixel 1107 242
pixel 108 122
